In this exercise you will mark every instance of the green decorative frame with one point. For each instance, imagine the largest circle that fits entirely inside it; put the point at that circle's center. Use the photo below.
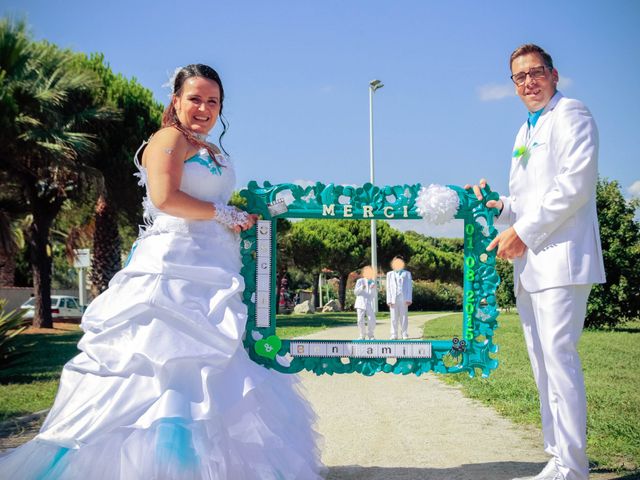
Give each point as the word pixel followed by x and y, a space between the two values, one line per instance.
pixel 470 352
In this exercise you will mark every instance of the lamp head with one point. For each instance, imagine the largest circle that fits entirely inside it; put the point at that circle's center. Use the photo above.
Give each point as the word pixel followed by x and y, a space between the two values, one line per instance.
pixel 375 85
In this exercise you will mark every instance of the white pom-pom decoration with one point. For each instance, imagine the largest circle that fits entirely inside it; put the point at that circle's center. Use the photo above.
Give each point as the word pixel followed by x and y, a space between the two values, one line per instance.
pixel 437 204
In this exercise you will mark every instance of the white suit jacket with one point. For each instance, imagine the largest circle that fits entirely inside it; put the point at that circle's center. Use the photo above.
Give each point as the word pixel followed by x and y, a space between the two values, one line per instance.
pixel 399 285
pixel 552 199
pixel 366 294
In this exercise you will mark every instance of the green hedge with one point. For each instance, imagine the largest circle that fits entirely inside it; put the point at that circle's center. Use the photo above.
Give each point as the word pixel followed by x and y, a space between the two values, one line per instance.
pixel 427 296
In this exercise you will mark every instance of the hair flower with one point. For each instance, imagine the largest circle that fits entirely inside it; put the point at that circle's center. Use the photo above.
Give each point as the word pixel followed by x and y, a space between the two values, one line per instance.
pixel 171 82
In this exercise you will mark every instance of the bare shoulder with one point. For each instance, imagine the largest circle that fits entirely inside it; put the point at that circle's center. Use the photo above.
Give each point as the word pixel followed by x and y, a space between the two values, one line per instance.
pixel 168 137
pixel 166 141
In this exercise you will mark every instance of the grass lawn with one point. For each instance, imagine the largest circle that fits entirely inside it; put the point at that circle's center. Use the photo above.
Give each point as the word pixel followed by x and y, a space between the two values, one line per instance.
pixel 611 363
pixel 32 386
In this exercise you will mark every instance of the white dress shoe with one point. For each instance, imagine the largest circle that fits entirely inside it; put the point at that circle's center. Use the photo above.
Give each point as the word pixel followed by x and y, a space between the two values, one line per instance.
pixel 549 472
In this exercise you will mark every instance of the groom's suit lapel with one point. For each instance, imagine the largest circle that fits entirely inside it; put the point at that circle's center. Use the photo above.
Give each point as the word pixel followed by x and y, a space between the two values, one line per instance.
pixel 535 137
pixel 547 113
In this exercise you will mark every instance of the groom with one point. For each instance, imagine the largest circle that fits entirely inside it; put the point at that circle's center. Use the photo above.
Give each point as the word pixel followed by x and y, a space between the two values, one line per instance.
pixel 554 241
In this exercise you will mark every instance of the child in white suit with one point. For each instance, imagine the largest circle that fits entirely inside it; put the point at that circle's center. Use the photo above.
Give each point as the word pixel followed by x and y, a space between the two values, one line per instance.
pixel 366 296
pixel 399 297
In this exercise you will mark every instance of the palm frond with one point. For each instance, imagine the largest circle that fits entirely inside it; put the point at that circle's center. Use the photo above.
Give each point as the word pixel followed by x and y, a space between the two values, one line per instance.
pixel 28 121
pixel 60 150
pixel 14 47
pixel 11 325
pixel 50 98
pixel 80 142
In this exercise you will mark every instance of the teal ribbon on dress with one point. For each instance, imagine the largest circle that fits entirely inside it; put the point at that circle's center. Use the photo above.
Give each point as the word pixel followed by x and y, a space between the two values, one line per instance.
pixel 205 160
pixel 133 249
pixel 48 473
pixel 174 443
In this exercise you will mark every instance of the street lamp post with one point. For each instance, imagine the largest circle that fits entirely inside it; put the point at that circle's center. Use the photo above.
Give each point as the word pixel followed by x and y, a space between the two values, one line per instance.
pixel 373 86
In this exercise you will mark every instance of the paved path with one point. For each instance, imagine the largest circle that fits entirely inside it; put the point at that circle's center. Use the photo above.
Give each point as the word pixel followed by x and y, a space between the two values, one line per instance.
pixel 382 331
pixel 392 427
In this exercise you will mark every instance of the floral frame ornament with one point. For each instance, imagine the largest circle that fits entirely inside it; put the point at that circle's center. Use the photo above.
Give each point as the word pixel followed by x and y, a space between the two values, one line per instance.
pixel 471 352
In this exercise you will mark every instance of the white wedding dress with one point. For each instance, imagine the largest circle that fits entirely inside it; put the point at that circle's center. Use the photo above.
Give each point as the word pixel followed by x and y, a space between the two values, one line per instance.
pixel 163 388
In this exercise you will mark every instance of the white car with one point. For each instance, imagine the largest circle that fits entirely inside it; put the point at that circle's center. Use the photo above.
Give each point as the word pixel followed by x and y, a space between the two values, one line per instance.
pixel 62 307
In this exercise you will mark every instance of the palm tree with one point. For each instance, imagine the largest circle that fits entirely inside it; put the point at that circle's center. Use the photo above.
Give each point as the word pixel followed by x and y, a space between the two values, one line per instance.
pixel 119 199
pixel 48 107
pixel 12 240
pixel 106 259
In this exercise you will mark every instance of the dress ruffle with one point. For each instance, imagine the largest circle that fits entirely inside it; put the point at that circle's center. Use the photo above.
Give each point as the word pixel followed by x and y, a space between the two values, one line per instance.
pixel 265 436
pixel 163 388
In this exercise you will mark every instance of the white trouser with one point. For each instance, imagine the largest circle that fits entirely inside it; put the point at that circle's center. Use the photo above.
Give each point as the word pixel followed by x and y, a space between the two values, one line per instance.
pixel 399 315
pixel 552 321
pixel 369 329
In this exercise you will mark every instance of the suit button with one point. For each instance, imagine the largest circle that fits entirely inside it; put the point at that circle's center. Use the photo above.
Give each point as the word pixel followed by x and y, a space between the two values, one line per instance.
pixel 513 199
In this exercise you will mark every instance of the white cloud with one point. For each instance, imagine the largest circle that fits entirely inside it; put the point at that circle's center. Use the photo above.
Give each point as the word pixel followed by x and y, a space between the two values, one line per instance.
pixel 327 88
pixel 564 82
pixel 634 189
pixel 495 91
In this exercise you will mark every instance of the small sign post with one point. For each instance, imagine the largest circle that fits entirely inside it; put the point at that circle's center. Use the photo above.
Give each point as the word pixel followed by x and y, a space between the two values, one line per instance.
pixel 82 261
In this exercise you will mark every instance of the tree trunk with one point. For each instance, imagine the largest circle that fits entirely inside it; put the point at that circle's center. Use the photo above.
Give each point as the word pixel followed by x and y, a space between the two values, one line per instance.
pixel 106 247
pixel 342 289
pixel 8 251
pixel 7 267
pixel 316 293
pixel 39 251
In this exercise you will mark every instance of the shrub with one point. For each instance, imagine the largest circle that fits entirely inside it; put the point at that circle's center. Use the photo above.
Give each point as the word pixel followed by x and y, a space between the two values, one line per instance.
pixel 429 296
pixel 618 300
pixel 349 299
pixel 504 294
pixel 11 324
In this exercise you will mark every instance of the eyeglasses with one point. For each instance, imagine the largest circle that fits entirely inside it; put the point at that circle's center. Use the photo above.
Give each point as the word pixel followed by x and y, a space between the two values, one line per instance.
pixel 534 73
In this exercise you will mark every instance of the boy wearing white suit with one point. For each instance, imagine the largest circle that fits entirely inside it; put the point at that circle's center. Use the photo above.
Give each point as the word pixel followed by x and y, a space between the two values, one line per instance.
pixel 554 241
pixel 399 297
pixel 366 296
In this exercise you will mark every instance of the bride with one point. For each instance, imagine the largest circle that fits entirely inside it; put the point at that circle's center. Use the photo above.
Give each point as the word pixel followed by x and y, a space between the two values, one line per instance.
pixel 163 388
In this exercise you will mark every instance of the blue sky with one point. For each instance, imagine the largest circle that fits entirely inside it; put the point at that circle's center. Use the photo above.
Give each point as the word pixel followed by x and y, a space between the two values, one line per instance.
pixel 296 77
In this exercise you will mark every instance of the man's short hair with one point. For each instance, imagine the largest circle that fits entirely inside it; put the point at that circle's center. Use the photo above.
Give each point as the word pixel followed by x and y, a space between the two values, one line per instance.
pixel 531 48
